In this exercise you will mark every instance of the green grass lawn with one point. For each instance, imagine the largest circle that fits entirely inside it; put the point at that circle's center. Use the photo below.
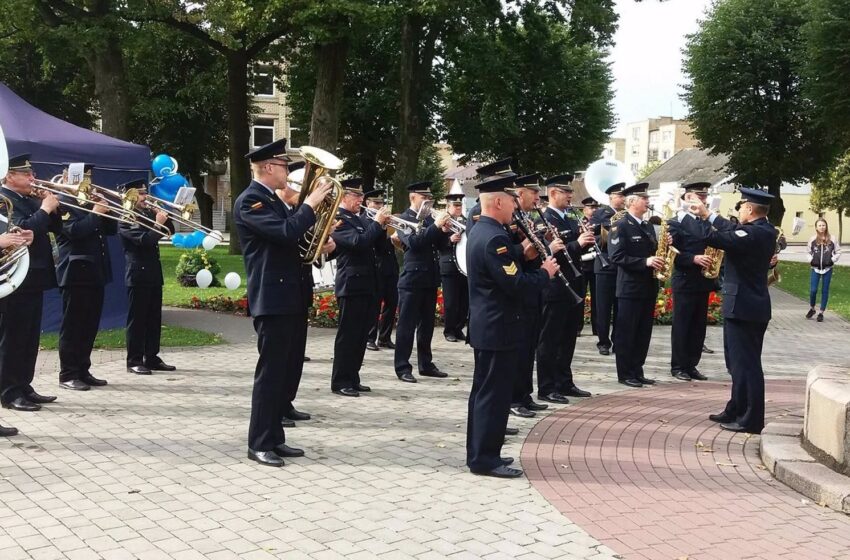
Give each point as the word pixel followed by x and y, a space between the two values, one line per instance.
pixel 174 294
pixel 114 338
pixel 795 281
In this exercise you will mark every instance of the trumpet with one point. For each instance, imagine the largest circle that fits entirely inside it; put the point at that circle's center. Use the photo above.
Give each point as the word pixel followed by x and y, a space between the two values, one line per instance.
pixel 395 222
pixel 455 225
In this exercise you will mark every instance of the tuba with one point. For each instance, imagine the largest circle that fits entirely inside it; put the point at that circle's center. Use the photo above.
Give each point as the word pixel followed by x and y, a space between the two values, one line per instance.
pixel 14 260
pixel 318 169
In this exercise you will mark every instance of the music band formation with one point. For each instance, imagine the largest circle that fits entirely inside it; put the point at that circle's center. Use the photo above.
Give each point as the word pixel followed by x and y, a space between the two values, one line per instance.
pixel 514 273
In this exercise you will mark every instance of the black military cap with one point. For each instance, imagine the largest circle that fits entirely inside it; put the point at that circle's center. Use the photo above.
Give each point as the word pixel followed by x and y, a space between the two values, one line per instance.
pixel 296 165
pixel 544 196
pixel 616 188
pixel 454 197
pixel 375 194
pixel 560 181
pixel 420 187
pixel 756 196
pixel 500 183
pixel 590 202
pixel 20 162
pixel 500 167
pixel 275 150
pixel 531 181
pixel 138 184
pixel 638 189
pixel 353 184
pixel 696 188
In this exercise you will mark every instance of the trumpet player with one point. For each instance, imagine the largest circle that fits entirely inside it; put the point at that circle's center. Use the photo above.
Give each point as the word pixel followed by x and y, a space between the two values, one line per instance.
pixel 387 300
pixel 20 311
pixel 455 289
pixel 631 247
pixel 690 286
pixel 355 287
pixel 143 278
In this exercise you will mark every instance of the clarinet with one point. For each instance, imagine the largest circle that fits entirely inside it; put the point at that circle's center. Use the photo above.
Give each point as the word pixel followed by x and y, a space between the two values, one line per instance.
pixel 585 226
pixel 557 235
pixel 522 223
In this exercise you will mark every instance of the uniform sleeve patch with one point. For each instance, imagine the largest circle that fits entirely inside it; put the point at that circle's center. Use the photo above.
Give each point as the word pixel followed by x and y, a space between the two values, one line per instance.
pixel 511 269
pixel 740 233
pixel 501 250
pixel 476 218
pixel 257 205
pixel 513 227
pixel 66 216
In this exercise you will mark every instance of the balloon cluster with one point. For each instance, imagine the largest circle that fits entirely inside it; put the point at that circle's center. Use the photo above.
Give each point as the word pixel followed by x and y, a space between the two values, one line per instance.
pixel 204 279
pixel 167 181
pixel 190 240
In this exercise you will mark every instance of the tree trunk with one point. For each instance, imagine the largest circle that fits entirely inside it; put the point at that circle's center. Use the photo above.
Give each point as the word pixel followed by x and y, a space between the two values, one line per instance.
pixel 369 171
pixel 327 99
pixel 777 208
pixel 238 134
pixel 840 225
pixel 110 85
pixel 409 121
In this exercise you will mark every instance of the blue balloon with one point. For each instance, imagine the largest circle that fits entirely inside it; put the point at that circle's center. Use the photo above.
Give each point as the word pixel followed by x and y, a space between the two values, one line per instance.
pixel 178 240
pixel 164 165
pixel 198 236
pixel 168 187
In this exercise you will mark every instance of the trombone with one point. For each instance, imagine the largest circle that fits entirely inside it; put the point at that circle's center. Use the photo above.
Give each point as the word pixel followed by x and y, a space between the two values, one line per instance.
pixel 181 214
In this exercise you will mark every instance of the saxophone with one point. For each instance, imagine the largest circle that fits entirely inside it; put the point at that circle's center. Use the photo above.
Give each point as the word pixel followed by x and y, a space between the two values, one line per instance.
pixel 716 255
pixel 665 249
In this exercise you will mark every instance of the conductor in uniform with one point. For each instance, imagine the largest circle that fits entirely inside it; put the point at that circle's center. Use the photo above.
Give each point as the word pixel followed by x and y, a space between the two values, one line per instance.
pixel 605 272
pixel 690 288
pixel 750 248
pixel 355 286
pixel 497 285
pixel 269 234
pixel 387 300
pixel 632 247
pixel 417 287
pixel 143 278
pixel 455 289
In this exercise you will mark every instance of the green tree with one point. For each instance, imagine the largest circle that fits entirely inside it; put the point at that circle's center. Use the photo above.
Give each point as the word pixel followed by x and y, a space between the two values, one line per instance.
pixel 648 169
pixel 745 93
pixel 831 190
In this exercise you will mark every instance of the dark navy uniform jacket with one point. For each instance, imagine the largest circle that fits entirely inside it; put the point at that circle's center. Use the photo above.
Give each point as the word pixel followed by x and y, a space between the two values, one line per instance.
pixel 687 232
pixel 356 273
pixel 141 252
pixel 569 231
pixel 599 220
pixel 630 244
pixel 83 251
pixel 385 255
pixel 497 284
pixel 269 236
pixel 749 249
pixel 473 216
pixel 420 269
pixel 27 214
pixel 448 262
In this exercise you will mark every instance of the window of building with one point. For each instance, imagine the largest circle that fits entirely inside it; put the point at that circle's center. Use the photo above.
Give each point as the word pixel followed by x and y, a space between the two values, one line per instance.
pixel 798 214
pixel 262 132
pixel 634 168
pixel 636 133
pixel 667 135
pixel 635 149
pixel 653 137
pixel 609 152
pixel 653 155
pixel 665 154
pixel 264 83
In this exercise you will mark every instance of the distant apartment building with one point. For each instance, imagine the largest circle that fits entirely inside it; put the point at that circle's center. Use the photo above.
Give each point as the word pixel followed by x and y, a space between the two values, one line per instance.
pixel 655 139
pixel 615 148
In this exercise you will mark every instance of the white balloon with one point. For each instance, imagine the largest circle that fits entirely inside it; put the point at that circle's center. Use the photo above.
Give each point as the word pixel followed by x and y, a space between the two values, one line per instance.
pixel 209 242
pixel 232 280
pixel 204 278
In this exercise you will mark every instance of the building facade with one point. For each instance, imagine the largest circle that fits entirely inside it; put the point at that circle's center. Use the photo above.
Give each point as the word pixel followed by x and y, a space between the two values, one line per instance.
pixel 656 139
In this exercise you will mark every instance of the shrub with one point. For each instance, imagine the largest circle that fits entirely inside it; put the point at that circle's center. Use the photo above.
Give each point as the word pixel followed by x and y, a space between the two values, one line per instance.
pixel 191 262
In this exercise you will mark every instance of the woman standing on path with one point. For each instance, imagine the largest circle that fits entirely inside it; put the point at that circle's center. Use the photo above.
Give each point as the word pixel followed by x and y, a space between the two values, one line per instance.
pixel 825 251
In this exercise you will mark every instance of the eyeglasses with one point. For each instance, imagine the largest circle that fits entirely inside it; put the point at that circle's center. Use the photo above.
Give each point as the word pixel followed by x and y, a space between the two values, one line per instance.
pixel 277 164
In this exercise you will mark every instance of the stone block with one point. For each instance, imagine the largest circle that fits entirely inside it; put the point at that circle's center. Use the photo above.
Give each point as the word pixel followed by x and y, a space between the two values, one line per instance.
pixel 827 418
pixel 820 483
pixel 777 449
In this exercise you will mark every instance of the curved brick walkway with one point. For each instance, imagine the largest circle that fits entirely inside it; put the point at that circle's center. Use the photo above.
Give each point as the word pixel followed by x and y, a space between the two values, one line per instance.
pixel 646 473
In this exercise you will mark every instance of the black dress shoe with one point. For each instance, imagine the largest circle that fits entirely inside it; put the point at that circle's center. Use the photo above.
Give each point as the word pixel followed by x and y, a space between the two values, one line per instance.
pixel 284 450
pixel 307 358
pixel 89 379
pixel 646 381
pixel 695 374
pixel 363 388
pixel 536 406
pixel 296 415
pixel 460 336
pixel 707 350
pixel 820 318
pixel 74 385
pixel 604 351
pixel 733 427
pixel 347 392
pixel 161 366
pixel 386 344
pixel 139 370
pixel 451 338
pixel 507 460
pixel 576 392
pixel 287 423
pixel 522 412
pixel 433 373
pixel 370 345
pixel 511 431
pixel 407 378
pixel 556 398
pixel 502 471
pixel 681 375
pixel 630 382
pixel 722 418
pixel 8 431
pixel 268 458
pixel 40 399
pixel 22 404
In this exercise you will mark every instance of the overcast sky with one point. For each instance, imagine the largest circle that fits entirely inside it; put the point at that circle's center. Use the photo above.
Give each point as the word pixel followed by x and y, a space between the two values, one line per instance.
pixel 646 60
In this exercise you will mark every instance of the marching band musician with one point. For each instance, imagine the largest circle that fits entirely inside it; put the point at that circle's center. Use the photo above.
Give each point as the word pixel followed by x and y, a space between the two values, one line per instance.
pixel 561 314
pixel 417 287
pixel 589 206
pixel 632 247
pixel 455 289
pixel 83 270
pixel 690 288
pixel 269 233
pixel 387 300
pixel 605 272
pixel 497 168
pixel 143 278
pixel 20 311
pixel 497 288
pixel 749 249
pixel 355 287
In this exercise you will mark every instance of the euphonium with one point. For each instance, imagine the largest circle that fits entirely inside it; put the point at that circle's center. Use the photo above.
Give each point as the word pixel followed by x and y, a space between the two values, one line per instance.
pixel 716 255
pixel 318 169
pixel 14 260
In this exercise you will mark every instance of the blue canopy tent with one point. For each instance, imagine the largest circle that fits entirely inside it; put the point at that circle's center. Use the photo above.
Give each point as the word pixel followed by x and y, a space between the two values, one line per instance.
pixel 53 144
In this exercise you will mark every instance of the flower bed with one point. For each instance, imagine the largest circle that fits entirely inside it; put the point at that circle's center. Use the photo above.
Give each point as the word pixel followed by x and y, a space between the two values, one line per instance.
pixel 221 304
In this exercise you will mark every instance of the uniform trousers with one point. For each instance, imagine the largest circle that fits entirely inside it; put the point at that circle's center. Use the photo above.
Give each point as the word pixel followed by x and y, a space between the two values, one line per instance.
pixel 633 332
pixel 350 343
pixel 590 286
pixel 415 315
pixel 744 341
pixel 20 329
pixel 81 309
pixel 524 382
pixel 144 325
pixel 557 345
pixel 455 303
pixel 606 290
pixel 386 305
pixel 690 310
pixel 489 404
